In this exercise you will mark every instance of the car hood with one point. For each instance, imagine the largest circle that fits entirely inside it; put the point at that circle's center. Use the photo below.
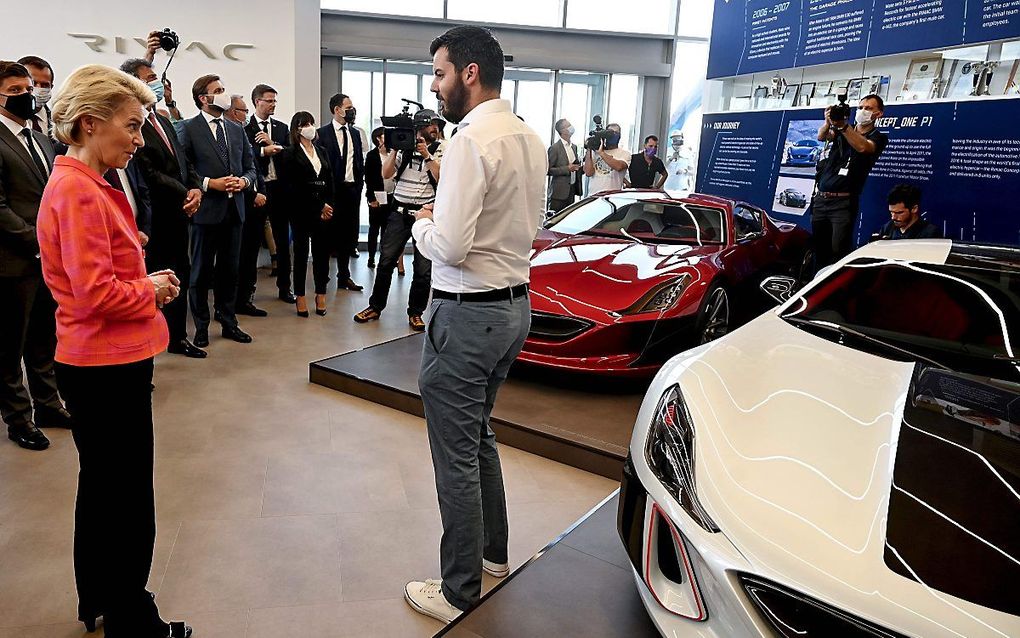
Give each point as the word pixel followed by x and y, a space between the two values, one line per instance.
pixel 802 150
pixel 796 445
pixel 590 276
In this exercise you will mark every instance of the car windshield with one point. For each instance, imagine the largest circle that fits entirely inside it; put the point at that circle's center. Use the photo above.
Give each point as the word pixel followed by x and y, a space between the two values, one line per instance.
pixel 958 315
pixel 807 143
pixel 644 221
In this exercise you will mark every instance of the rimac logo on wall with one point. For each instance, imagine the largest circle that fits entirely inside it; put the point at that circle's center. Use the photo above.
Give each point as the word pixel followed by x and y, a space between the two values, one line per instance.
pixel 98 43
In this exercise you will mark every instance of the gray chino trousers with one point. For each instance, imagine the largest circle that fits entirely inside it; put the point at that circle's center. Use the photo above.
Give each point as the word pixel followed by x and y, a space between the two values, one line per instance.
pixel 468 349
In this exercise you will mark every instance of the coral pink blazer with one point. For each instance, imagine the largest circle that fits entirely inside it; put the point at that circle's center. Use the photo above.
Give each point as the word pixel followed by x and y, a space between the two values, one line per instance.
pixel 94 266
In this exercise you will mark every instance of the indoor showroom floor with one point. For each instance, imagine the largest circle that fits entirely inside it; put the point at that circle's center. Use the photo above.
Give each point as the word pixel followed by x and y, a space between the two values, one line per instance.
pixel 284 509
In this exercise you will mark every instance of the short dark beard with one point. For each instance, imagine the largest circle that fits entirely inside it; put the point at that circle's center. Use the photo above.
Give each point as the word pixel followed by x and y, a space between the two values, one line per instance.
pixel 454 108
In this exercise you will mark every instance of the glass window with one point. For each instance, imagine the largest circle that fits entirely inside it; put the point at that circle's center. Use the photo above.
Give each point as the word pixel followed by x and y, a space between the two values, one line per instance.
pixel 400 85
pixel 746 221
pixel 358 85
pixel 680 151
pixel 624 102
pixel 542 13
pixel 423 8
pixel 534 104
pixel 695 19
pixel 638 16
pixel 581 96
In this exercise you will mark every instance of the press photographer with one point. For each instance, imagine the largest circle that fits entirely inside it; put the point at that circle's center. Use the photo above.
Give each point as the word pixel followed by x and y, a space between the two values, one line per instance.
pixel 417 175
pixel 850 152
pixel 168 41
pixel 604 161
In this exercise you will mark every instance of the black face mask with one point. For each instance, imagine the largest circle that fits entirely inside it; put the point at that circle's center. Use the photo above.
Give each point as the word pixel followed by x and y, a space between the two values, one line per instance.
pixel 613 141
pixel 350 115
pixel 21 106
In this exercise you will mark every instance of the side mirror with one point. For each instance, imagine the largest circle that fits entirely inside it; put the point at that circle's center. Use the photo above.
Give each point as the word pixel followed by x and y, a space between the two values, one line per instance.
pixel 779 287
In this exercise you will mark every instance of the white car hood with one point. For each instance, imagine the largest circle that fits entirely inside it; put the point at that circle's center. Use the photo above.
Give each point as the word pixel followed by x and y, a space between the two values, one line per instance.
pixel 795 447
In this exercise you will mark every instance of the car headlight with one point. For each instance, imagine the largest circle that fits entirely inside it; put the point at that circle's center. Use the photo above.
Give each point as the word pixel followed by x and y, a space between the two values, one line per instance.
pixel 661 298
pixel 669 451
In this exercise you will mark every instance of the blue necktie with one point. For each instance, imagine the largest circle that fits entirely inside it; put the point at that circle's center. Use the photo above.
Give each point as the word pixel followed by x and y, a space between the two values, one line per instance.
pixel 221 143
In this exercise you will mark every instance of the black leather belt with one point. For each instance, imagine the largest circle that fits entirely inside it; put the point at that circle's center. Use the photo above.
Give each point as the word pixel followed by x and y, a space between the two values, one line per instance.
pixel 834 195
pixel 489 295
pixel 401 207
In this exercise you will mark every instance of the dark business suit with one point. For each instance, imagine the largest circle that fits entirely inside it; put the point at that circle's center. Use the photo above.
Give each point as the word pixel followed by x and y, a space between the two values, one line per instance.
pixel 561 191
pixel 216 227
pixel 377 215
pixel 307 192
pixel 347 195
pixel 276 208
pixel 169 177
pixel 139 191
pixel 27 311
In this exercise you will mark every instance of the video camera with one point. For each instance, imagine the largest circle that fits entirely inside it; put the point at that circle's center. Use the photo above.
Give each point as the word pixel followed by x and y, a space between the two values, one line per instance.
pixel 598 135
pixel 840 112
pixel 399 132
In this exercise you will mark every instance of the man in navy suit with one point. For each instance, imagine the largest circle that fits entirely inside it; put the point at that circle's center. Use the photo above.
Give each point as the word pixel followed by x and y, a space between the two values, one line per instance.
pixel 222 157
pixel 342 142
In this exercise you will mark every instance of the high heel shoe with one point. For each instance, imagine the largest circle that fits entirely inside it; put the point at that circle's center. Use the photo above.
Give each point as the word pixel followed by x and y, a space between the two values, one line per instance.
pixel 301 302
pixel 320 309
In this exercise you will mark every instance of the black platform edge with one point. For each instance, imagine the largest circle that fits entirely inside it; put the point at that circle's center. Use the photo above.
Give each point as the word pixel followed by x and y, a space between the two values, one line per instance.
pixel 562 449
pixel 503 582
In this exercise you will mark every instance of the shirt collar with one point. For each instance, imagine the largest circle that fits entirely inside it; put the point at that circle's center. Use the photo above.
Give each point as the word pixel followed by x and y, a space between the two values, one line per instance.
pixel 487 107
pixel 210 118
pixel 11 124
pixel 566 143
pixel 72 163
pixel 338 125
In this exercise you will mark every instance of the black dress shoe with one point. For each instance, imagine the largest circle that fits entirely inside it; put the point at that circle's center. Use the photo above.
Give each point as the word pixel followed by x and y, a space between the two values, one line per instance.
pixel 287 296
pixel 202 338
pixel 351 285
pixel 28 436
pixel 178 629
pixel 47 417
pixel 355 253
pixel 217 317
pixel 371 263
pixel 251 310
pixel 188 349
pixel 235 333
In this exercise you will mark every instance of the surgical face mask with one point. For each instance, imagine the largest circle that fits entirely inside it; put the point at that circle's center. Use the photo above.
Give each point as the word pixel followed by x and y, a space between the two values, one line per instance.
pixel 222 101
pixel 157 88
pixel 650 152
pixel 614 140
pixel 863 117
pixel 307 132
pixel 350 115
pixel 42 96
pixel 21 106
pixel 570 131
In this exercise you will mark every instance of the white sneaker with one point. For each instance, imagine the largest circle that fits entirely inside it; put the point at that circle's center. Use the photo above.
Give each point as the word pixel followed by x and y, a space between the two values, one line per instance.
pixel 496 570
pixel 428 598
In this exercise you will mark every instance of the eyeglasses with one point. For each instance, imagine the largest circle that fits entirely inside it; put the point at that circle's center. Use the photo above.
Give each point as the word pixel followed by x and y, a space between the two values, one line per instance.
pixel 272 101
pixel 242 110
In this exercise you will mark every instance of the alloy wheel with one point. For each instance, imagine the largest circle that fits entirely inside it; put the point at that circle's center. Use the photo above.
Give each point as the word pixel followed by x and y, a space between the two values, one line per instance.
pixel 717 316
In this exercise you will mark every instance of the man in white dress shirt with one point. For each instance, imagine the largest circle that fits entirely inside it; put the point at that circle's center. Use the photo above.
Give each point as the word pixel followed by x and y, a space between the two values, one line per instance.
pixel 478 236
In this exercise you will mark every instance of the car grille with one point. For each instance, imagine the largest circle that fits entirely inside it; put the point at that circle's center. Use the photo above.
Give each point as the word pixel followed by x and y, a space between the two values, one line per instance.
pixel 794 615
pixel 550 327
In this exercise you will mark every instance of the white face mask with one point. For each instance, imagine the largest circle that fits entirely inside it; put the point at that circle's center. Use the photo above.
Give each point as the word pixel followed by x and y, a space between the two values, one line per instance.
pixel 222 101
pixel 863 117
pixel 307 132
pixel 570 131
pixel 42 96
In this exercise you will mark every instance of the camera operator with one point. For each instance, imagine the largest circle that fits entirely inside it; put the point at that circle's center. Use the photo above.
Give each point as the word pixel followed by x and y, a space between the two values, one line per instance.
pixel 153 44
pixel 607 167
pixel 852 151
pixel 417 175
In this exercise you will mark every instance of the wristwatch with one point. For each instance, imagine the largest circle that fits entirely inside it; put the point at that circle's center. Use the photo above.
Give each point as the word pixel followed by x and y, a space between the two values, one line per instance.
pixel 172 104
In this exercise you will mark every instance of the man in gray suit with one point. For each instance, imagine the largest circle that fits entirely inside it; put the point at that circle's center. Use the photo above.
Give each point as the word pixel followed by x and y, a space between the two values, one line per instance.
pixel 564 169
pixel 219 150
pixel 28 328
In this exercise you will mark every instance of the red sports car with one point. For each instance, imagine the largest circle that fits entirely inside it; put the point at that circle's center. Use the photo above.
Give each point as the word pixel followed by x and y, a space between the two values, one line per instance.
pixel 622 281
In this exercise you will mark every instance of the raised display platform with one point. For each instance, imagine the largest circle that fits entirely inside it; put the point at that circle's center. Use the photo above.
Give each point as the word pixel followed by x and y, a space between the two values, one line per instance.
pixel 581 584
pixel 579 421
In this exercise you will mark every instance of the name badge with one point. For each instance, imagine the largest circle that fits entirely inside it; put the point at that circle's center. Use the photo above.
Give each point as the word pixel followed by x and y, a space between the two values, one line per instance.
pixel 843 172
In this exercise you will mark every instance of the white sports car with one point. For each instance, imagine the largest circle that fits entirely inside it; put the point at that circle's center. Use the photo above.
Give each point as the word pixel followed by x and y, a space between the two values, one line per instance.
pixel 847 465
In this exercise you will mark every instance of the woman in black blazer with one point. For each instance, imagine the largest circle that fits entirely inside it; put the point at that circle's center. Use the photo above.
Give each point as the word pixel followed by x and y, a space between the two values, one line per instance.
pixel 304 172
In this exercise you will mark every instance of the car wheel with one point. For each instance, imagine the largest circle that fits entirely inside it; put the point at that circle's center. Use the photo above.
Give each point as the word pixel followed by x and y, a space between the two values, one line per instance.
pixel 807 268
pixel 782 199
pixel 714 317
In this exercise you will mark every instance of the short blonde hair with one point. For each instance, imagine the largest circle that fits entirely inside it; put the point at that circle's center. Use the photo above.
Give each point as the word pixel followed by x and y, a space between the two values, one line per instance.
pixel 94 90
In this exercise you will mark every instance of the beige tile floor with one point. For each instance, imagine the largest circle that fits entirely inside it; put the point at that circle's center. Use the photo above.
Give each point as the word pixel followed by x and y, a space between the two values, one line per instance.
pixel 284 509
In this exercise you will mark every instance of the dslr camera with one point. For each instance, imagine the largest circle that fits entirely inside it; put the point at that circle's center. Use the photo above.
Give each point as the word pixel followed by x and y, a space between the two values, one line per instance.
pixel 840 112
pixel 399 129
pixel 168 40
pixel 597 135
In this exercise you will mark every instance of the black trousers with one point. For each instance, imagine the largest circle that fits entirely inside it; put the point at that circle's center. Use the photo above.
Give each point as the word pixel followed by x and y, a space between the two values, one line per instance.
pixel 28 331
pixel 169 248
pixel 377 218
pixel 115 512
pixel 345 225
pixel 832 224
pixel 556 205
pixel 252 232
pixel 394 238
pixel 279 220
pixel 216 249
pixel 318 234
